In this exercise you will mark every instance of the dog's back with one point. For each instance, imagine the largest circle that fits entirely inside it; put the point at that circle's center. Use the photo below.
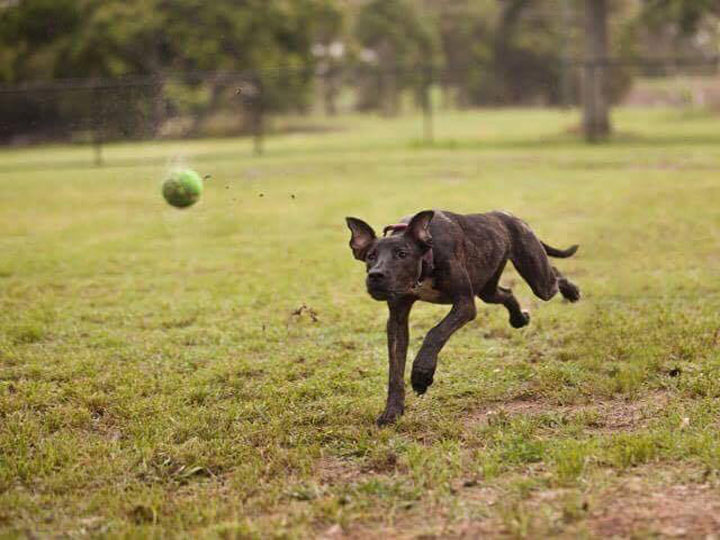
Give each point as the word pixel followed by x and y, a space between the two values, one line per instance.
pixel 484 242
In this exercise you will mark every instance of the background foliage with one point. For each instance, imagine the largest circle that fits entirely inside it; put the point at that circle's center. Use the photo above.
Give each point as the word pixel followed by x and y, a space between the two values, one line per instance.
pixel 479 52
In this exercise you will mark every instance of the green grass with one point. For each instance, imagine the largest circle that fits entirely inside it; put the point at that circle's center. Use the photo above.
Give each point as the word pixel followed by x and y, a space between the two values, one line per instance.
pixel 154 379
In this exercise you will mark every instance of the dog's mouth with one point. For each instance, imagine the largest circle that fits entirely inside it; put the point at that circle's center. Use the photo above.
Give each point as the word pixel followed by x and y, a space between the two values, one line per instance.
pixel 379 293
pixel 383 293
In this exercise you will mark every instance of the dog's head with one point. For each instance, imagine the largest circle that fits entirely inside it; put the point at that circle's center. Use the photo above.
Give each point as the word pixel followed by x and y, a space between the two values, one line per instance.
pixel 394 263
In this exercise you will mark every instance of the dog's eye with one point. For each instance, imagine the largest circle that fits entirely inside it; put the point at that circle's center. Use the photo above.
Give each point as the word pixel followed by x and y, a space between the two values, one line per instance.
pixel 372 256
pixel 402 254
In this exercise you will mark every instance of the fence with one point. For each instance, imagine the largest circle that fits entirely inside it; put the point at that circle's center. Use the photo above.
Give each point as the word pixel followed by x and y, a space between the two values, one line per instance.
pixel 196 104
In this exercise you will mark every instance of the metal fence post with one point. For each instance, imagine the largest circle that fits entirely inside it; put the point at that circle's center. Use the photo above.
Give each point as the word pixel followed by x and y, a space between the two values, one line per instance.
pixel 97 125
pixel 428 131
pixel 256 102
pixel 259 121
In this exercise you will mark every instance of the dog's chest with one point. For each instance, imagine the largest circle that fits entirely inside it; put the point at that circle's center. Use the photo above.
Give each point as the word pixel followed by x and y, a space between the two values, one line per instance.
pixel 427 292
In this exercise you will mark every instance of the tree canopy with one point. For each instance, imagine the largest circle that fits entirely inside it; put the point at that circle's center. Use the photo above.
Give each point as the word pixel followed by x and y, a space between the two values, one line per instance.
pixel 46 39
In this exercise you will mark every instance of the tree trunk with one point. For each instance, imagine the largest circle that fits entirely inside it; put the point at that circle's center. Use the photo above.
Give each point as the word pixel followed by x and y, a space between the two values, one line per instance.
pixel 596 121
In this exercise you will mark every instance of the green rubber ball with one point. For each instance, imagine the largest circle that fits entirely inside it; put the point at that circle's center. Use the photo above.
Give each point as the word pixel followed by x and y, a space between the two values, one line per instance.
pixel 182 188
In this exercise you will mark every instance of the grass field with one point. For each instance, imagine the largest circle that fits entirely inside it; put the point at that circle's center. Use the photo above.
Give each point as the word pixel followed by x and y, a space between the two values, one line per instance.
pixel 157 375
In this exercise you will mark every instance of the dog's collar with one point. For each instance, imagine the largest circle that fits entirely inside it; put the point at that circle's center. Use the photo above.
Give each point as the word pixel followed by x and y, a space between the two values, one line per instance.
pixel 396 227
pixel 427 261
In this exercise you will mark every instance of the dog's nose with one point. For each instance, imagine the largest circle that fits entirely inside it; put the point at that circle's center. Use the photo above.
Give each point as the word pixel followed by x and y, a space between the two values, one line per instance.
pixel 375 276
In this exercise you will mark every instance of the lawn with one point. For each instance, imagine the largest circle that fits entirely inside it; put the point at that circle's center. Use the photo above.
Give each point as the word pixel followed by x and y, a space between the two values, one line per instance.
pixel 159 374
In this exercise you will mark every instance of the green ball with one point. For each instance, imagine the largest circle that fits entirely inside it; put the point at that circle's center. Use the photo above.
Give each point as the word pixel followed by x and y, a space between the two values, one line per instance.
pixel 183 188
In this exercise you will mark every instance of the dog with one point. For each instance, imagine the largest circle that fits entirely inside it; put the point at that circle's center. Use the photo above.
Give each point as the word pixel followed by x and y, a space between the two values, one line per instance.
pixel 447 258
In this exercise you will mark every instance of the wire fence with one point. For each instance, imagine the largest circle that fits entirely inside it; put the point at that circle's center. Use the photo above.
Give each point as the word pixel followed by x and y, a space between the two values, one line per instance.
pixel 196 104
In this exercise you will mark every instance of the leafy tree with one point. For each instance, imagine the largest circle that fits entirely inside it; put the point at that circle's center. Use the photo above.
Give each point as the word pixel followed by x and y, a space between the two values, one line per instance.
pixel 402 43
pixel 685 14
pixel 50 39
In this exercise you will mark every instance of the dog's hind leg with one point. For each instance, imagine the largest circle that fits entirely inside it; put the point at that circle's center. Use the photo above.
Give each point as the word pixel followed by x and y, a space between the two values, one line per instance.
pixel 493 293
pixel 531 261
pixel 568 289
pixel 532 264
pixel 504 296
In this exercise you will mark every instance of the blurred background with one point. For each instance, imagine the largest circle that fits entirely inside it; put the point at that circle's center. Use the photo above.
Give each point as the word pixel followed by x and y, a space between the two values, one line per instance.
pixel 92 72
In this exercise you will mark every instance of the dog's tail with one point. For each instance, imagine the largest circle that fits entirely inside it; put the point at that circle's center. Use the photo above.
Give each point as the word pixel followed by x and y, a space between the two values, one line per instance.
pixel 560 253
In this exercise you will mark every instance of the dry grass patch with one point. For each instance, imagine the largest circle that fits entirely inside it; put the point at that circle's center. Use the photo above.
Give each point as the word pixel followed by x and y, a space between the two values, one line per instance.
pixel 602 416
pixel 640 505
pixel 331 470
pixel 690 511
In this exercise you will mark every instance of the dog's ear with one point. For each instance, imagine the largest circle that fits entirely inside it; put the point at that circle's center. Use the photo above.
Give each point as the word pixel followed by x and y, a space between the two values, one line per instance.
pixel 362 237
pixel 419 228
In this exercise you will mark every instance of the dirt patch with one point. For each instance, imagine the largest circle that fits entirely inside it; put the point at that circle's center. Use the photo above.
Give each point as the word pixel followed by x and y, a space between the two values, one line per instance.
pixel 603 416
pixel 680 510
pixel 658 500
pixel 619 415
pixel 331 470
pixel 428 523
pixel 497 333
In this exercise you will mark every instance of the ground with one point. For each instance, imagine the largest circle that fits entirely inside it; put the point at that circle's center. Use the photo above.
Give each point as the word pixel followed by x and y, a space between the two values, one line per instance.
pixel 159 373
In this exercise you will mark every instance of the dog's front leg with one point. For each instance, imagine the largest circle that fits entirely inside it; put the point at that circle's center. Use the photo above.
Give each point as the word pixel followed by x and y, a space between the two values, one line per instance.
pixel 397 335
pixel 462 312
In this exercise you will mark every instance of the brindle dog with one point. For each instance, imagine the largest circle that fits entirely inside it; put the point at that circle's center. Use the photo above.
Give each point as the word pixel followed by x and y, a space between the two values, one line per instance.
pixel 447 258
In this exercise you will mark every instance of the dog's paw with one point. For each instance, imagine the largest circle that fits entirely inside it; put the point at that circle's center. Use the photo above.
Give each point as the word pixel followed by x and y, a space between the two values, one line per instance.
pixel 421 380
pixel 518 321
pixel 569 290
pixel 389 416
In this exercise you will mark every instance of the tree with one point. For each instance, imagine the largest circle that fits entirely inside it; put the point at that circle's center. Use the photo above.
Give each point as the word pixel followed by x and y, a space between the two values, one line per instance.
pixel 41 40
pixel 685 14
pixel 329 50
pixel 507 52
pixel 596 119
pixel 403 45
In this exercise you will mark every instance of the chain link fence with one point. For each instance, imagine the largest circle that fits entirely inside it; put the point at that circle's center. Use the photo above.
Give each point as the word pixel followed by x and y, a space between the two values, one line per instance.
pixel 213 104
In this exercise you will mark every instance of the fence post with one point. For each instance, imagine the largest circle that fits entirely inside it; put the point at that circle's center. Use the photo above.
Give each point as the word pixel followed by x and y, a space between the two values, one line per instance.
pixel 258 107
pixel 328 88
pixel 380 89
pixel 157 105
pixel 428 131
pixel 97 124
